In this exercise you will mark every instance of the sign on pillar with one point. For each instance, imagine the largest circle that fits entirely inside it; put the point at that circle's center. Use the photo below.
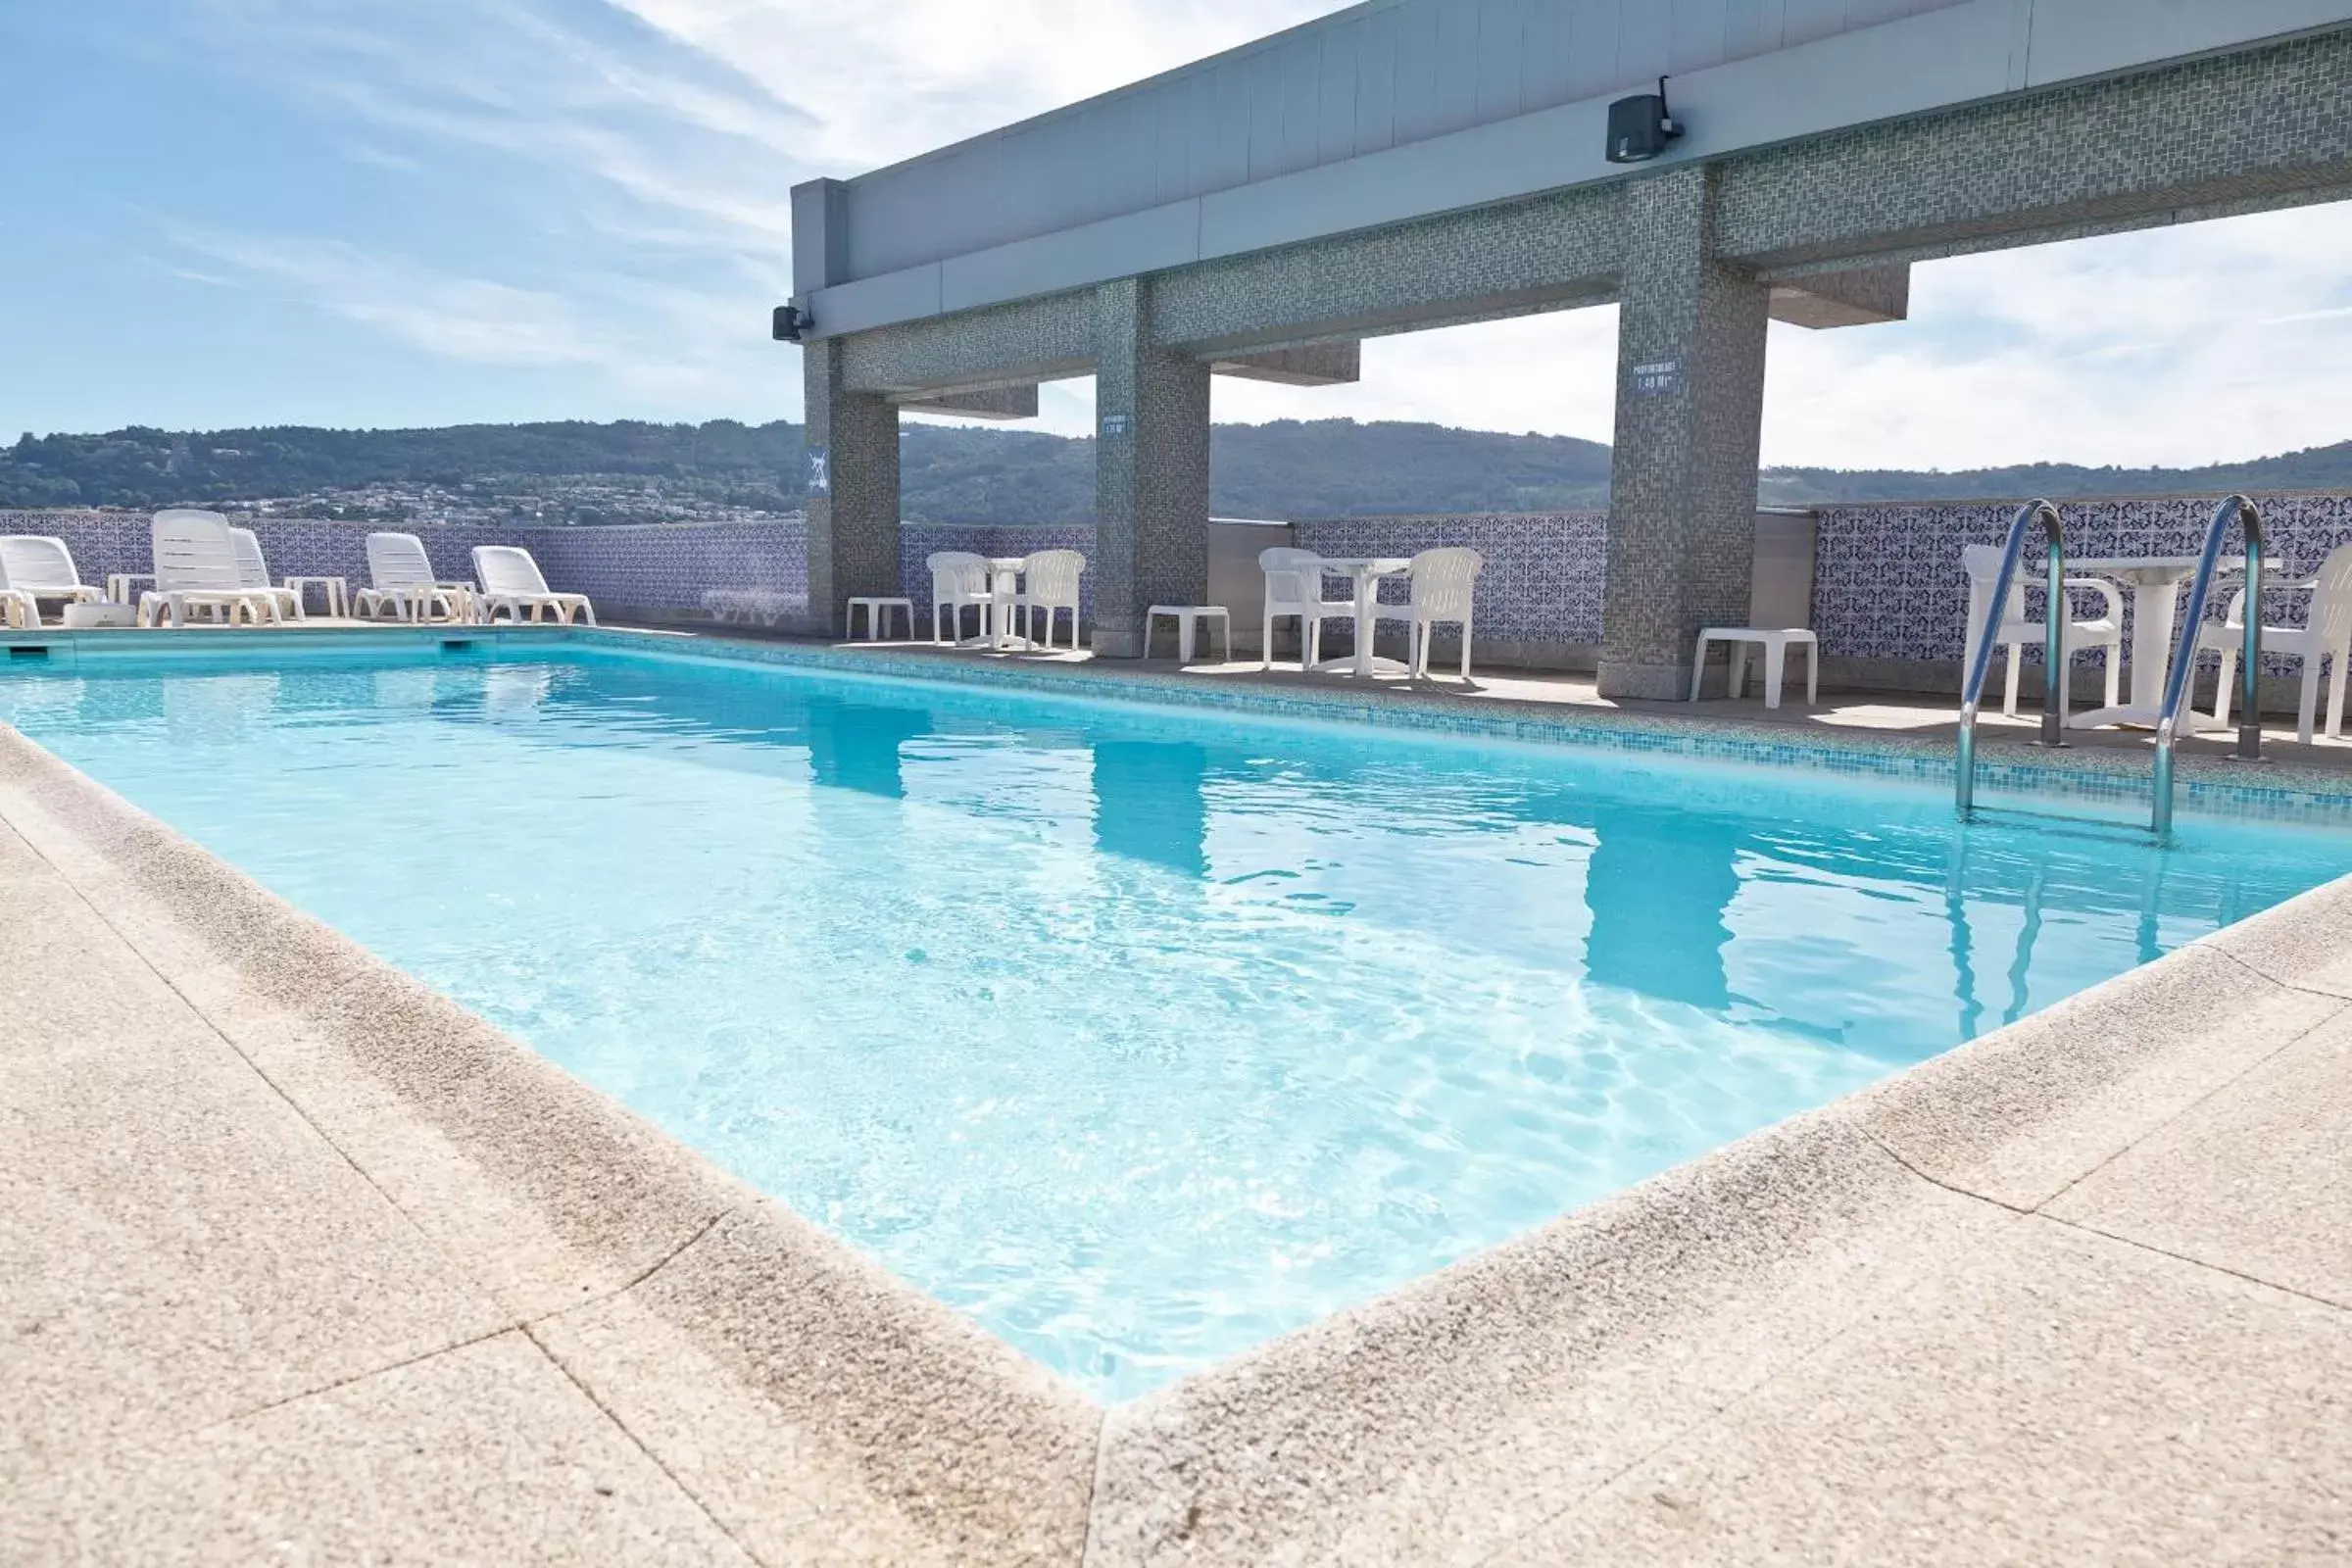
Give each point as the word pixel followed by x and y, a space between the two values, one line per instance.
pixel 1662 378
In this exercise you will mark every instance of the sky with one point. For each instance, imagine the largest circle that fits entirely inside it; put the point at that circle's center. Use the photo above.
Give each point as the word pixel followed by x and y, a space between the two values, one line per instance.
pixel 222 213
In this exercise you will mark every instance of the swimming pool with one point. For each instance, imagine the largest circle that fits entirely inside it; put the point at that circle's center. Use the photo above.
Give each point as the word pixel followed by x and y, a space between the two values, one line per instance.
pixel 1141 1036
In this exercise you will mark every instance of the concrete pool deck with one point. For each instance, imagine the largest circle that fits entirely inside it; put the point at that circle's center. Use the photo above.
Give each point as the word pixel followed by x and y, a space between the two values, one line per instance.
pixel 304 1262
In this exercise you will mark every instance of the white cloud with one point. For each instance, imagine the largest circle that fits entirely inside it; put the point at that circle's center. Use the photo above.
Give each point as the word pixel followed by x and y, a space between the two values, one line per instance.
pixel 2180 346
pixel 887 81
pixel 646 351
pixel 662 136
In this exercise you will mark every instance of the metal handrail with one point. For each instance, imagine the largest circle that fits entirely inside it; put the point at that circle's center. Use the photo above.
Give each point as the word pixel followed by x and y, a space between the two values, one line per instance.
pixel 1971 691
pixel 2175 683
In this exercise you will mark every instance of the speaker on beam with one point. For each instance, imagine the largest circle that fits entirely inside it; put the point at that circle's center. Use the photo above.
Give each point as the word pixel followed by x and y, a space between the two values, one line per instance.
pixel 1641 127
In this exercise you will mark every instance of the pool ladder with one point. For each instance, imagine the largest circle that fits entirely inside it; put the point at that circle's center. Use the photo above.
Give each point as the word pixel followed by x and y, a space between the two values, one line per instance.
pixel 2045 513
pixel 1972 690
pixel 2248 517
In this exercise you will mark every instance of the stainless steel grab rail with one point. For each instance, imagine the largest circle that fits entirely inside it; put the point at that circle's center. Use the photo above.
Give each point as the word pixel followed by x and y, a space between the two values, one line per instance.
pixel 2176 679
pixel 1971 691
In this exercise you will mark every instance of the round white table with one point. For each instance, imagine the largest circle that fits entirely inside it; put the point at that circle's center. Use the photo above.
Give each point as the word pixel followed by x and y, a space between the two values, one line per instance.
pixel 2154 584
pixel 1366 570
pixel 997 633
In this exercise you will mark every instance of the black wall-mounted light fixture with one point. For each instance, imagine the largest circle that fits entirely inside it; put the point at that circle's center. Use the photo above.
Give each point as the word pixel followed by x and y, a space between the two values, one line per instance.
pixel 789 324
pixel 1640 126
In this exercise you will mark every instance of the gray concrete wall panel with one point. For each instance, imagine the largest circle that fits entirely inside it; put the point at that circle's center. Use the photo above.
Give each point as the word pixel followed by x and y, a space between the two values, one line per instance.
pixel 1074 258
pixel 1356 81
pixel 1151 470
pixel 2232 127
pixel 1564 249
pixel 1690 343
pixel 2076 38
pixel 1035 340
pixel 851 489
pixel 1214 162
pixel 1867 296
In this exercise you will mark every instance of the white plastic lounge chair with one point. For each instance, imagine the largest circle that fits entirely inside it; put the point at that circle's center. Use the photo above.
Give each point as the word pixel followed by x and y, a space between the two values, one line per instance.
pixel 1983 566
pixel 2325 635
pixel 196 568
pixel 400 576
pixel 255 572
pixel 1444 582
pixel 34 568
pixel 1295 587
pixel 958 580
pixel 510 582
pixel 1050 582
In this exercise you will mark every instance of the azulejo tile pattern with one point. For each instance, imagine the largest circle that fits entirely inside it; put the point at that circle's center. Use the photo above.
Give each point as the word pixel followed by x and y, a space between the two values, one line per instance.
pixel 1543 577
pixel 1888 582
pixel 755 572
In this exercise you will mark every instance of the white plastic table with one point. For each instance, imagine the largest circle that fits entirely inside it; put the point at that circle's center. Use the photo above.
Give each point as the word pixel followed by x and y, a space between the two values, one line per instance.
pixel 2154 583
pixel 1368 570
pixel 996 627
pixel 337 591
pixel 118 585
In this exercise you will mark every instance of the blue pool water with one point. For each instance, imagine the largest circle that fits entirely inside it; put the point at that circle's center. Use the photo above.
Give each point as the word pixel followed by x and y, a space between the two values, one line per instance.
pixel 1139 1035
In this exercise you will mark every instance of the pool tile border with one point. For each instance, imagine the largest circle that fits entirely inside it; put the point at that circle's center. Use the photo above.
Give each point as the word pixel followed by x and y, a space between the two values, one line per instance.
pixel 2219 785
pixel 2207 783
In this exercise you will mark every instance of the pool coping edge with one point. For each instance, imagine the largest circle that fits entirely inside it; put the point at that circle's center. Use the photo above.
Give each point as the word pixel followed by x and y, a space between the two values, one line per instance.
pixel 1447 1410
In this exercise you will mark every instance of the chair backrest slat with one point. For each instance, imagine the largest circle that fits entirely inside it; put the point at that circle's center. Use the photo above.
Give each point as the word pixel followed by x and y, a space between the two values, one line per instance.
pixel 958 571
pixel 252 569
pixel 194 552
pixel 1292 577
pixel 1983 563
pixel 2331 598
pixel 398 560
pixel 507 570
pixel 1052 575
pixel 1444 581
pixel 37 560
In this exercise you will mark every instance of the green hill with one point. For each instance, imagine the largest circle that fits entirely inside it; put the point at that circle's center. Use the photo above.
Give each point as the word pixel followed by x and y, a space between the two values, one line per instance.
pixel 632 471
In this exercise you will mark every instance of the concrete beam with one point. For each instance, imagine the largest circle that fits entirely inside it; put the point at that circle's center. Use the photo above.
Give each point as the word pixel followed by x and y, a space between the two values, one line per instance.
pixel 993 403
pixel 1862 297
pixel 1314 365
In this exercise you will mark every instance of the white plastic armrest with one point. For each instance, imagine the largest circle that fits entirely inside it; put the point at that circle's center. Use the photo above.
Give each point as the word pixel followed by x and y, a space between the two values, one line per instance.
pixel 2106 591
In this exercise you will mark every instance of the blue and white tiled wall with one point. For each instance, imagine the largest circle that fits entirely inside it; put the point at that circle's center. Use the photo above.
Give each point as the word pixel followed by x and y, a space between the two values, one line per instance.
pixel 918 540
pixel 755 572
pixel 1887 583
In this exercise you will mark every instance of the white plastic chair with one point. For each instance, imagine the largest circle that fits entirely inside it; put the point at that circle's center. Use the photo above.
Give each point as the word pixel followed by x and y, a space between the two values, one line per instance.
pixel 1050 582
pixel 400 575
pixel 196 567
pixel 510 582
pixel 1295 588
pixel 1983 563
pixel 959 581
pixel 2325 635
pixel 34 568
pixel 1444 582
pixel 255 573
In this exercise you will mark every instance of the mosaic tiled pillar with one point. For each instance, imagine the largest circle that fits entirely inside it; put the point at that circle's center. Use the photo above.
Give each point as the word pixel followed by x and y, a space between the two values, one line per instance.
pixel 1151 470
pixel 1689 414
pixel 852 490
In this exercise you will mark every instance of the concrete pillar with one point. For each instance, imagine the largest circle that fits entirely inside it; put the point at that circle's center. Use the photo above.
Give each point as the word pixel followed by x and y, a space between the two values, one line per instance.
pixel 1690 418
pixel 1151 470
pixel 852 490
